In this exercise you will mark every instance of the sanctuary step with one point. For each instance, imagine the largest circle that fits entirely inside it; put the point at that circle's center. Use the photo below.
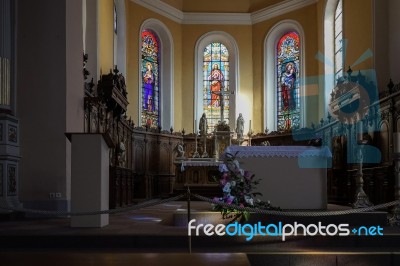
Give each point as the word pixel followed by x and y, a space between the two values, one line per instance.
pixel 153 229
pixel 205 191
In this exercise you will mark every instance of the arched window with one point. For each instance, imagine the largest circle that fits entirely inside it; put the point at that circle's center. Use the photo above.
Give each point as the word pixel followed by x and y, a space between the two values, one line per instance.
pixel 150 69
pixel 115 35
pixel 216 84
pixel 216 67
pixel 288 69
pixel 161 115
pixel 333 47
pixel 338 42
pixel 284 101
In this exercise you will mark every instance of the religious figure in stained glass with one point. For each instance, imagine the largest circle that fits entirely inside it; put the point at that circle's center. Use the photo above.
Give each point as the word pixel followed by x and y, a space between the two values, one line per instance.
pixel 288 87
pixel 216 84
pixel 288 61
pixel 217 78
pixel 150 79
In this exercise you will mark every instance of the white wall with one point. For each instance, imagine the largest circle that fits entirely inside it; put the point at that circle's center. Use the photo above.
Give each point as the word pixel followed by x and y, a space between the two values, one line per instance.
pixel 394 40
pixel 381 37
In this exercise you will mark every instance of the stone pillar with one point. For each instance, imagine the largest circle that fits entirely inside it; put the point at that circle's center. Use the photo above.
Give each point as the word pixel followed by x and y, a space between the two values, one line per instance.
pixel 50 95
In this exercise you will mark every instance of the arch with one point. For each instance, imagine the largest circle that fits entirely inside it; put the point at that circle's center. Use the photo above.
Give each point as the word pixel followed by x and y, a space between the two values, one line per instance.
pixel 231 45
pixel 166 75
pixel 270 70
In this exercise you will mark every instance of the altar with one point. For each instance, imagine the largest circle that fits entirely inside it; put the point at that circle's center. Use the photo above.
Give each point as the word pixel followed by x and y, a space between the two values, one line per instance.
pixel 198 174
pixel 292 177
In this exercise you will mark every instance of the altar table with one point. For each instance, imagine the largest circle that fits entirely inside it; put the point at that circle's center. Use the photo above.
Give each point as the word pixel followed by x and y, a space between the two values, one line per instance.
pixel 292 177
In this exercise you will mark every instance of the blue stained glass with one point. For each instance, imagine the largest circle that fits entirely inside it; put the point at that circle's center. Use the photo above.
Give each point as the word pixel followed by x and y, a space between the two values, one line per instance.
pixel 150 79
pixel 288 69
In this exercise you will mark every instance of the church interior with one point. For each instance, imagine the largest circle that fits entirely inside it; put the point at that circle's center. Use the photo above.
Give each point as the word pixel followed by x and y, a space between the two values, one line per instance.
pixel 112 104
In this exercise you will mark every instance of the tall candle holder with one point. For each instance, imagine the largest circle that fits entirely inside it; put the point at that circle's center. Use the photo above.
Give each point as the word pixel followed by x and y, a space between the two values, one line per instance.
pixel 395 219
pixel 205 154
pixel 249 134
pixel 361 198
pixel 196 153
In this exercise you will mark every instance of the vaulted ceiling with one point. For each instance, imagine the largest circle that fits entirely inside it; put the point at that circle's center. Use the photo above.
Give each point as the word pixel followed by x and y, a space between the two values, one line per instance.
pixel 221 6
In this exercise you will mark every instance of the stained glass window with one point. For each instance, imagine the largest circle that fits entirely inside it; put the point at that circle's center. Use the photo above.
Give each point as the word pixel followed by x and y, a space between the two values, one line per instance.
pixel 216 84
pixel 338 46
pixel 115 19
pixel 150 79
pixel 288 66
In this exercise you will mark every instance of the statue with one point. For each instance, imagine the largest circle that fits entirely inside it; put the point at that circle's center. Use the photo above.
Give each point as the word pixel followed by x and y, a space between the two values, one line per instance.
pixel 180 150
pixel 121 154
pixel 240 126
pixel 203 125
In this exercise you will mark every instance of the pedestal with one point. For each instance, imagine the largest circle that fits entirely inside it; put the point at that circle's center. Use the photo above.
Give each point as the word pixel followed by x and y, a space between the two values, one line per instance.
pixel 89 179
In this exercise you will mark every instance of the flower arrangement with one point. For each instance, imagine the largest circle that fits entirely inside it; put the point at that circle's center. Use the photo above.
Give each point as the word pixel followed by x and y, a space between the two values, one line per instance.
pixel 238 189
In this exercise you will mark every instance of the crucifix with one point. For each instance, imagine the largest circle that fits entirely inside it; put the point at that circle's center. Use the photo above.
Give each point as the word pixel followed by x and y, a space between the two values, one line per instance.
pixel 221 101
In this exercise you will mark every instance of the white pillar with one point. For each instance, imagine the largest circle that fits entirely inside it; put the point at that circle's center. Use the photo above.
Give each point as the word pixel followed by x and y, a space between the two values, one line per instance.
pixel 49 99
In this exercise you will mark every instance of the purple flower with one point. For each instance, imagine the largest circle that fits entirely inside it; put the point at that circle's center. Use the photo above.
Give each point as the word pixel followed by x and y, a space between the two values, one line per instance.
pixel 217 199
pixel 230 199
pixel 247 175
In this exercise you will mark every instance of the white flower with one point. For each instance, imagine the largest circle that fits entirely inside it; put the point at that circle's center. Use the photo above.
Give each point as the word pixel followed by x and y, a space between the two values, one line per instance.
pixel 241 171
pixel 227 188
pixel 222 168
pixel 233 183
pixel 249 200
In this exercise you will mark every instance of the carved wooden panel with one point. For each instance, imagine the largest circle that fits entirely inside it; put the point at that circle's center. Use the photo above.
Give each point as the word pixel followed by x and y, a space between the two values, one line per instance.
pixel 140 156
pixel 384 143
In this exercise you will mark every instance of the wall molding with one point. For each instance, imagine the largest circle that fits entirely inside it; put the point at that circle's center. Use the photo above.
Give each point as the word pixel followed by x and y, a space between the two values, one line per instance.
pixel 217 18
pixel 223 18
pixel 162 9
pixel 279 9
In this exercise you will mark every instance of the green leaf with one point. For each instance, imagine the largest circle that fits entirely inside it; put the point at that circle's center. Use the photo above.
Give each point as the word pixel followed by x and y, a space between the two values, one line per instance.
pixel 246 216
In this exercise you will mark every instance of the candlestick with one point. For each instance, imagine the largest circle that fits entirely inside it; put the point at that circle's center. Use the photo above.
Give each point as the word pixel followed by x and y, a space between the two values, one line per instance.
pixel 396 142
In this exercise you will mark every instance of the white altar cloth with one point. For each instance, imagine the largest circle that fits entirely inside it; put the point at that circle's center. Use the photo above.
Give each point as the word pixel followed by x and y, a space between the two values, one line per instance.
pixel 292 177
pixel 201 163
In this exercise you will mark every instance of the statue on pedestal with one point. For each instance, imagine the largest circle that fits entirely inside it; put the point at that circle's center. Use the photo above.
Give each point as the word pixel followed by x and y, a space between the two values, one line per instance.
pixel 240 126
pixel 203 125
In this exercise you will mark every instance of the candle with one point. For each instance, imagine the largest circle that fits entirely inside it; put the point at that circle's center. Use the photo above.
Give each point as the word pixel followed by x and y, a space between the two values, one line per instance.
pixel 396 142
pixel 195 126
pixel 250 126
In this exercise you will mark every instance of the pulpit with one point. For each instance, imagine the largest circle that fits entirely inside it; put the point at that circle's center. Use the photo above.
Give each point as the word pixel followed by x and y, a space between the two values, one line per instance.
pixel 292 177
